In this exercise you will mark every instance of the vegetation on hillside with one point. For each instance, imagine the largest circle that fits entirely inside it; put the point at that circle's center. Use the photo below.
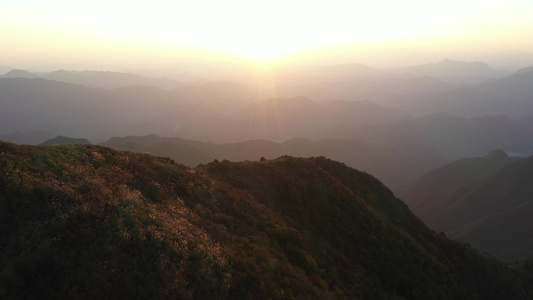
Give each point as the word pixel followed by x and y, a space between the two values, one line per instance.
pixel 485 201
pixel 90 222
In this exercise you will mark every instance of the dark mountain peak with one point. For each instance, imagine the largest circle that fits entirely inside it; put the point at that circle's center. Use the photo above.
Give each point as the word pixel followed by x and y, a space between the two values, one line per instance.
pixel 64 140
pixel 497 155
pixel 448 61
pixel 19 74
pixel 60 72
pixel 524 70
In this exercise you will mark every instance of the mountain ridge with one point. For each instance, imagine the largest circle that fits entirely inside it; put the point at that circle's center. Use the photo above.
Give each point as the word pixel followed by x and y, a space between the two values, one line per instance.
pixel 394 167
pixel 92 222
pixel 483 201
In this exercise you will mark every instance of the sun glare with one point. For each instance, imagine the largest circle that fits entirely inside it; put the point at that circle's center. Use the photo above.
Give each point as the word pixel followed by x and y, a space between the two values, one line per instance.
pixel 257 30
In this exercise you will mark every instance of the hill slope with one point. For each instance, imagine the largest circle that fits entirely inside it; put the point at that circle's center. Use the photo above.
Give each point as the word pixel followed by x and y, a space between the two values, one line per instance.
pixel 487 202
pixel 91 222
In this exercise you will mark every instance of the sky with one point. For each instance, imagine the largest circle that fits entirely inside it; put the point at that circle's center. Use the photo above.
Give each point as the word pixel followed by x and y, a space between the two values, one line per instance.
pixel 381 33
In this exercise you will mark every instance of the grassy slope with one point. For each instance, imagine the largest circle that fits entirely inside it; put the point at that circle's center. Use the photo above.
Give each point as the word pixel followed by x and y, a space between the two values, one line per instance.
pixel 92 222
pixel 485 202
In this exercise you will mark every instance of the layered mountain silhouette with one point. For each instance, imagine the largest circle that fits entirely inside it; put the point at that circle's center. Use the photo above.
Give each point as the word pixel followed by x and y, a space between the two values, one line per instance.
pixel 484 201
pixel 74 110
pixel 31 104
pixel 386 142
pixel 394 167
pixel 109 80
pixel 223 96
pixel 90 222
pixel 221 112
pixel 451 136
pixel 456 71
pixel 352 93
pixel 281 119
pixel 503 96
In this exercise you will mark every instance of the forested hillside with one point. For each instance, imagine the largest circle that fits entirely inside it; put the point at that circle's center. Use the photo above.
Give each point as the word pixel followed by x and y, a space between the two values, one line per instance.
pixel 89 222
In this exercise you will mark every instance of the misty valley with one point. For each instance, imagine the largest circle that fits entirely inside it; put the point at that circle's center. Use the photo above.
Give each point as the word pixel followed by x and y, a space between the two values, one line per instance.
pixel 337 181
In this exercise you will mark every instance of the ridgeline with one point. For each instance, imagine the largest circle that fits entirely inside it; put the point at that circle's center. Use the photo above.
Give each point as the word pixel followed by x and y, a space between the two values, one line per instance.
pixel 91 222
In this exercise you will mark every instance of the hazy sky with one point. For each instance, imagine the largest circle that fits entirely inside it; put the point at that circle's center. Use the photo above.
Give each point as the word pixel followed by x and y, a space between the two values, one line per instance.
pixel 373 32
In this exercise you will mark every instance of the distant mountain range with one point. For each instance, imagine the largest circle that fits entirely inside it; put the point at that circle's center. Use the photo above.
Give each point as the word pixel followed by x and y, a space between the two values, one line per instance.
pixel 466 89
pixel 450 136
pixel 485 201
pixel 419 90
pixel 219 111
pixel 458 72
pixel 74 110
pixel 97 79
pixel 109 80
pixel 409 146
pixel 508 96
pixel 281 119
pixel 490 113
pixel 90 222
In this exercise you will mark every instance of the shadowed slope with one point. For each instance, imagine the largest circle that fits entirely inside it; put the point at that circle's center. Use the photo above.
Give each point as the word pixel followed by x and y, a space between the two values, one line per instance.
pixel 487 202
pixel 92 222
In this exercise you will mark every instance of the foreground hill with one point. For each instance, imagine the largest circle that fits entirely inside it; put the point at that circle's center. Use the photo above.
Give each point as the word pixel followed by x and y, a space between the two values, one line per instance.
pixel 485 201
pixel 91 222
